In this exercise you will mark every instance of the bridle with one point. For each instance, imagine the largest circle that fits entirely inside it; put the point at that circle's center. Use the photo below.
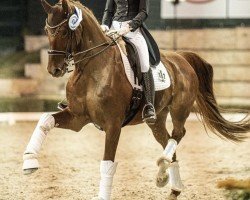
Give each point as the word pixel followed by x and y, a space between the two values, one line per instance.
pixel 69 56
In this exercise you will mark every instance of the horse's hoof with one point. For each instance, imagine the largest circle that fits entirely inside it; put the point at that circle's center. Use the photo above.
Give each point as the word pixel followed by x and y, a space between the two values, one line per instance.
pixel 172 197
pixel 29 171
pixel 162 179
pixel 30 166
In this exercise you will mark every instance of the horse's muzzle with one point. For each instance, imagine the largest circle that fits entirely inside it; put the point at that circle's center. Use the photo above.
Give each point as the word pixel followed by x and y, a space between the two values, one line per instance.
pixel 57 72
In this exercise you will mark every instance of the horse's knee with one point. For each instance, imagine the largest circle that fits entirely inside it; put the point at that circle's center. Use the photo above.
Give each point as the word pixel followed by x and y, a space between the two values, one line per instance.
pixel 46 122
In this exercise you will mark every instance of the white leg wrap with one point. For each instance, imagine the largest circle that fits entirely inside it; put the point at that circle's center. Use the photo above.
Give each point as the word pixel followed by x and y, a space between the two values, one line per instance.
pixel 107 169
pixel 170 149
pixel 45 124
pixel 174 177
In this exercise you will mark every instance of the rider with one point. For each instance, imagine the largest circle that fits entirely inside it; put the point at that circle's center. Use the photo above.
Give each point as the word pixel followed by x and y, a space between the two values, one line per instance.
pixel 127 17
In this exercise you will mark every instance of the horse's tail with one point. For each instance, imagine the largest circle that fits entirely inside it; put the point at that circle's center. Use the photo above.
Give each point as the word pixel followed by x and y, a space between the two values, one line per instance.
pixel 207 106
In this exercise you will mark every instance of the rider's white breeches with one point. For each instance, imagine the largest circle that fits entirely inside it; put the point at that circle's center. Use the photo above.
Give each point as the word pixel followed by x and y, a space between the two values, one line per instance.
pixel 139 41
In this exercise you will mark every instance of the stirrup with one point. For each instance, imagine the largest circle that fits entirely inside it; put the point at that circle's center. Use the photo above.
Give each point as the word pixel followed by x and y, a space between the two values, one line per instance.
pixel 150 119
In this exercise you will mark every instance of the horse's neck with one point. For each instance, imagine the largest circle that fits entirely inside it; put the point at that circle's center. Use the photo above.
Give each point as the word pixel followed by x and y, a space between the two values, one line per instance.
pixel 92 35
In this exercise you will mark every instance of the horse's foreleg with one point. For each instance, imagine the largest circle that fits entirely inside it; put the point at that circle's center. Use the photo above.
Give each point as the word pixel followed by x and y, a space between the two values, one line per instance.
pixel 47 122
pixel 108 166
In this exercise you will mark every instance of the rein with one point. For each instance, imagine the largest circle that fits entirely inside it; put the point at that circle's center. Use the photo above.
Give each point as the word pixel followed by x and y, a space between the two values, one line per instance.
pixel 107 44
pixel 69 56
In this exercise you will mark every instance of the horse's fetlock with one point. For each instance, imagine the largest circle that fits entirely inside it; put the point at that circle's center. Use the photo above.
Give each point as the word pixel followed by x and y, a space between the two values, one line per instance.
pixel 29 156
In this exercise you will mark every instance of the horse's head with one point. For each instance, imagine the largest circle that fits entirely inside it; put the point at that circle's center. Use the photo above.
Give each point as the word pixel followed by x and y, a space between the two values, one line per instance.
pixel 62 27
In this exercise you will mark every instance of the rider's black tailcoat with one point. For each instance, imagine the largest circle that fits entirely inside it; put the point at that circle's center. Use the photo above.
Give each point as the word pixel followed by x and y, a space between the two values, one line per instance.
pixel 137 12
pixel 125 10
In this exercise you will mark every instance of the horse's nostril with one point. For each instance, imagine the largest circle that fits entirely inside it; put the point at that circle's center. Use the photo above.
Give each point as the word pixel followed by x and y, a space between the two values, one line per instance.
pixel 56 71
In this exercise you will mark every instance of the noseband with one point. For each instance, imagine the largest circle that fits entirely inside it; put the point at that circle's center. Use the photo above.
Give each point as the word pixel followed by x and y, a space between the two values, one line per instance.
pixel 69 60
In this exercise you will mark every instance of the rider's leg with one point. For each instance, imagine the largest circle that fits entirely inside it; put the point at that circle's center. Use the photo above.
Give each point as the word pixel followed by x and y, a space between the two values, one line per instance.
pixel 148 83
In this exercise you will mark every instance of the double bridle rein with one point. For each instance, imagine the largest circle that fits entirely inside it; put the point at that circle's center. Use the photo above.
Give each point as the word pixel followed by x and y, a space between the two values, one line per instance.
pixel 69 56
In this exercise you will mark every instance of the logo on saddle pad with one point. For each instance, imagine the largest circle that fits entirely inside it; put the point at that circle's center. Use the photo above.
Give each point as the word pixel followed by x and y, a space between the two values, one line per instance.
pixel 162 76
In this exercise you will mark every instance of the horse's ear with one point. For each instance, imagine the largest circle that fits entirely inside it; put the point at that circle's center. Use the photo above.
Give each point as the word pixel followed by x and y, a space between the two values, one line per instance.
pixel 47 7
pixel 66 7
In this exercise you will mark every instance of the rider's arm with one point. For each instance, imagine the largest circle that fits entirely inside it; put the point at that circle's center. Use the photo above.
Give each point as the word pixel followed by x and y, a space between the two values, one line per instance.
pixel 108 13
pixel 141 16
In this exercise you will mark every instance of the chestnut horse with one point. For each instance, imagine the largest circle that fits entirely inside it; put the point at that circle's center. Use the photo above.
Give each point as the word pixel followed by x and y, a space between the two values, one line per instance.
pixel 99 92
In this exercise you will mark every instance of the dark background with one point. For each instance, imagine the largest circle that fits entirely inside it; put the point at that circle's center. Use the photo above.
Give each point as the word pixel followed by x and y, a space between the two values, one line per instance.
pixel 20 17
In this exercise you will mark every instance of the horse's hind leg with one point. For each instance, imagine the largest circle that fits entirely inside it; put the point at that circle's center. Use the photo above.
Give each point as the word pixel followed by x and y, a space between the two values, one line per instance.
pixel 179 115
pixel 162 136
pixel 47 122
pixel 168 160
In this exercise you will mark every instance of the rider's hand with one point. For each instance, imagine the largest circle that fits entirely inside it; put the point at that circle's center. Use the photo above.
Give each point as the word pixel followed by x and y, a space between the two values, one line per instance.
pixel 115 34
pixel 104 28
pixel 124 30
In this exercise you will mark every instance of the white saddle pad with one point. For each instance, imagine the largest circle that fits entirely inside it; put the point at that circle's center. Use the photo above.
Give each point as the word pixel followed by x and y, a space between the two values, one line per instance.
pixel 160 74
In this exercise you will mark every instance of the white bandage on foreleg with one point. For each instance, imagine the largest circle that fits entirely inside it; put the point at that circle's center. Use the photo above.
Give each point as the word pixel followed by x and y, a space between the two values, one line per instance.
pixel 107 170
pixel 174 177
pixel 45 124
pixel 170 149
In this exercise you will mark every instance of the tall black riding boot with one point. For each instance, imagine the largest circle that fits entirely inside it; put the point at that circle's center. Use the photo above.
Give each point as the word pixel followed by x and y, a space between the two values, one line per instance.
pixel 148 113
